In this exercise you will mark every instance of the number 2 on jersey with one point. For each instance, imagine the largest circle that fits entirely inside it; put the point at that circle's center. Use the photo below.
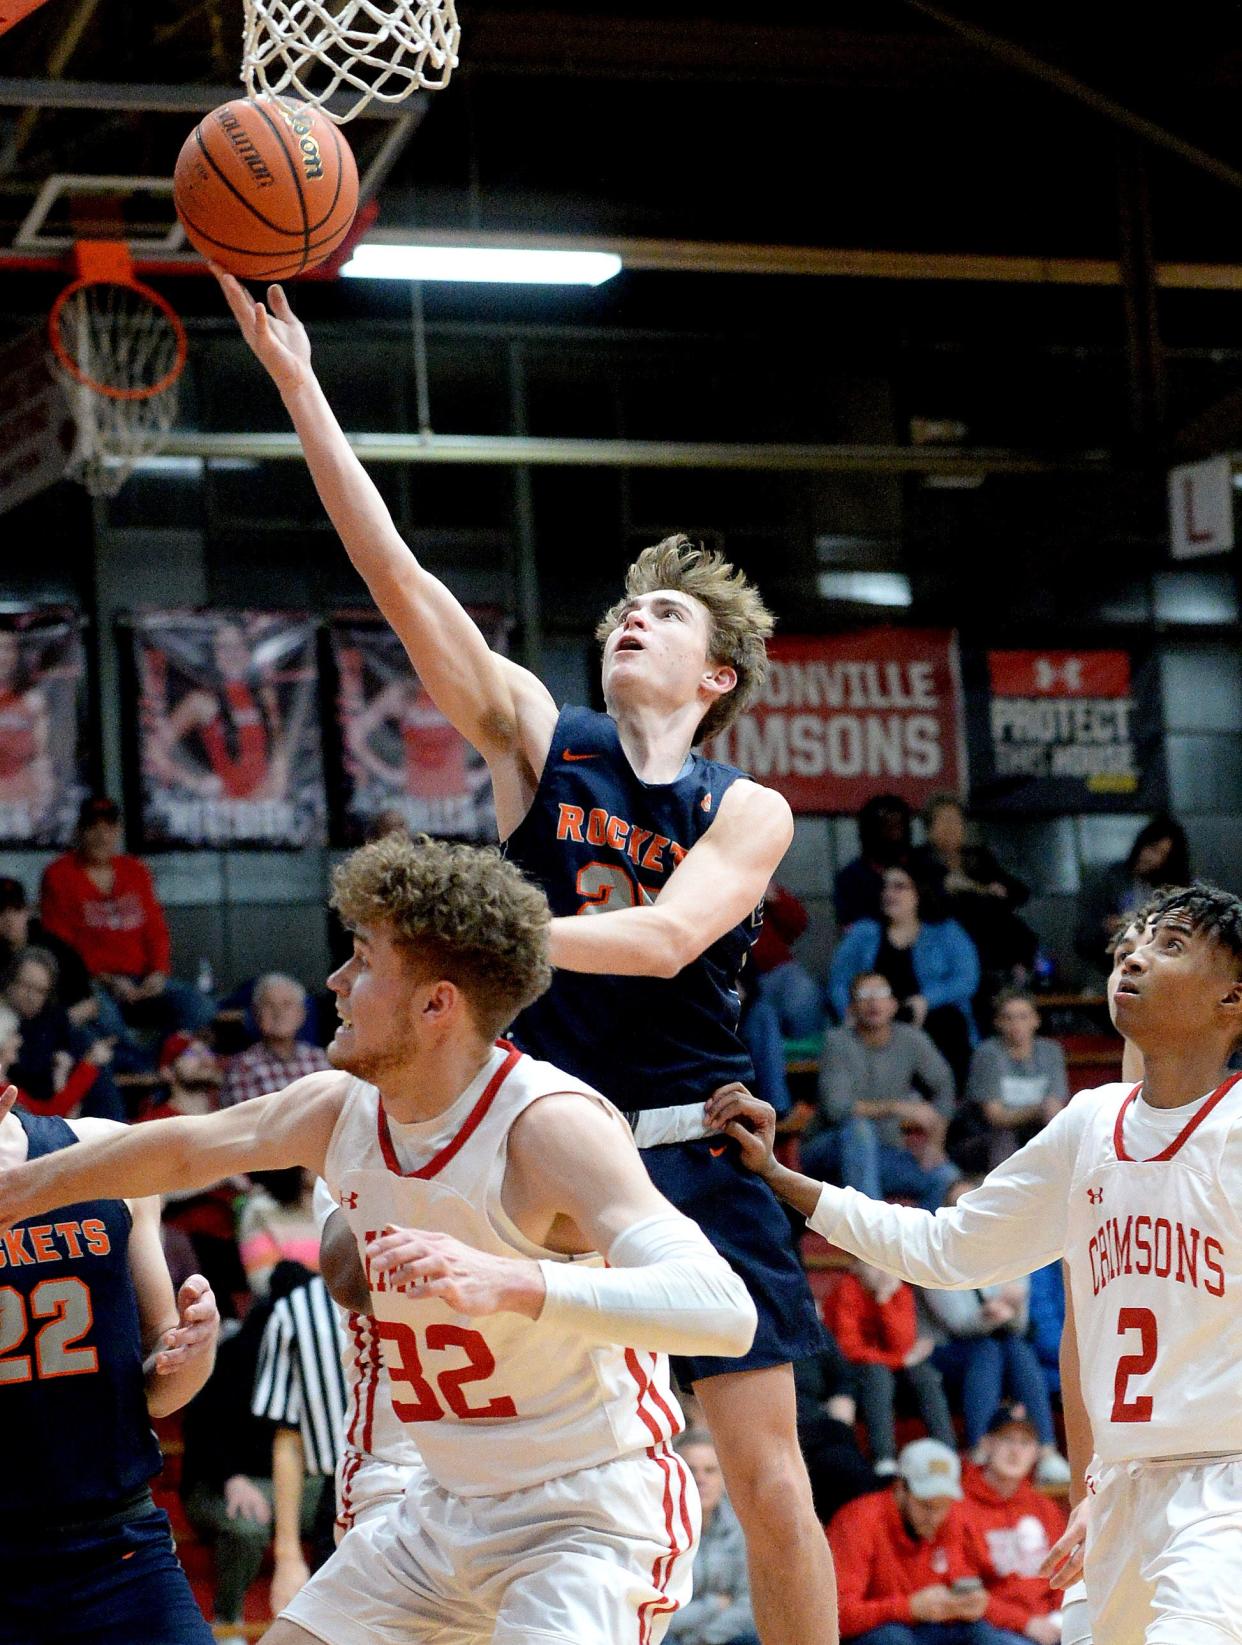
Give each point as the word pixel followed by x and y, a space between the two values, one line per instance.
pixel 66 1306
pixel 1139 1409
pixel 425 1407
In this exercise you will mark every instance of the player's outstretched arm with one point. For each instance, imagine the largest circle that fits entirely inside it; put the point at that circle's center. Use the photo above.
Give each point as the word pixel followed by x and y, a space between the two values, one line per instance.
pixel 1011 1224
pixel 496 706
pixel 718 883
pixel 290 1127
pixel 574 1180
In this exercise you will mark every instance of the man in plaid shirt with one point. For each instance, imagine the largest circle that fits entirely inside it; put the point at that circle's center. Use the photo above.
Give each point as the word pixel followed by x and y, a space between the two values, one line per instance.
pixel 279 1057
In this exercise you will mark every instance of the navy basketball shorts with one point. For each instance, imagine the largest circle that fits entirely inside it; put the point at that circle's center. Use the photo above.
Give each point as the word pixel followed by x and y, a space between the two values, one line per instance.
pixel 119 1586
pixel 744 1220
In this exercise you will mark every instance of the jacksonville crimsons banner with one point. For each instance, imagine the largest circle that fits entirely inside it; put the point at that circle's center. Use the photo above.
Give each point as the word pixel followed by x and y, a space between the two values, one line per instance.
pixel 844 716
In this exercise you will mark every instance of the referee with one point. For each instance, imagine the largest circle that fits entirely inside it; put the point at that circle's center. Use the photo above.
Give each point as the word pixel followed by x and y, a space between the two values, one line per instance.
pixel 300 1386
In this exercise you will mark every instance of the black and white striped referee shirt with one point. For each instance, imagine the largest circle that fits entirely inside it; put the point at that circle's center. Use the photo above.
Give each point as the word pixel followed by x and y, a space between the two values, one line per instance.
pixel 299 1382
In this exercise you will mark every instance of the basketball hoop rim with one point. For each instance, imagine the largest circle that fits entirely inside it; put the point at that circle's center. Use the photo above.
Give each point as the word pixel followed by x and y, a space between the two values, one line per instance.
pixel 67 362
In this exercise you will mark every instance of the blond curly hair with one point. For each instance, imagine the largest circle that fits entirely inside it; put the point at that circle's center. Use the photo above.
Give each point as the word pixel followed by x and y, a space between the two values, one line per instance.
pixel 740 622
pixel 471 917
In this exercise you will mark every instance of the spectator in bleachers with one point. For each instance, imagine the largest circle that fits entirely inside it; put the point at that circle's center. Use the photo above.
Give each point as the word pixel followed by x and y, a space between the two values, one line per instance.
pixel 900 1552
pixel 972 888
pixel 103 904
pixel 884 842
pixel 719 1613
pixel 61 1069
pixel 206 1215
pixel 1159 856
pixel 1017 1080
pixel 1017 1525
pixel 982 1351
pixel 785 984
pixel 278 1057
pixel 873 1130
pixel 930 964
pixel 19 930
pixel 277 1224
pixel 873 1318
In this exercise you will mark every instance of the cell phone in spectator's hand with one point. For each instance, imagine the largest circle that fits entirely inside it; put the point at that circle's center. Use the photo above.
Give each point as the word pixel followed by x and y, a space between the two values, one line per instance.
pixel 963 1585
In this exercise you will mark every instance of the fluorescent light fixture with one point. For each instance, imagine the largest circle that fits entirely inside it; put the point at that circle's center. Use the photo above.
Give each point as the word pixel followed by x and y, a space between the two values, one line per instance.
pixel 486 266
pixel 865 587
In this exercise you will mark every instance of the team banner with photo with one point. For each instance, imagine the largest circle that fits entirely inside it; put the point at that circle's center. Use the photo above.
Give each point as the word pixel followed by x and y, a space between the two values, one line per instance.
pixel 1064 731
pixel 229 745
pixel 400 756
pixel 42 712
pixel 844 716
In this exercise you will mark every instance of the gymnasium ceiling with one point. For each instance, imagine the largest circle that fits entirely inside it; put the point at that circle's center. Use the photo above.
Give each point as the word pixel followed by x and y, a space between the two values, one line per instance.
pixel 886 127
pixel 873 126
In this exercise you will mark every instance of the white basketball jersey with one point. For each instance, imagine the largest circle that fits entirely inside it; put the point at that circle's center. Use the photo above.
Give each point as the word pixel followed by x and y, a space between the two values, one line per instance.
pixel 501 1403
pixel 1155 1248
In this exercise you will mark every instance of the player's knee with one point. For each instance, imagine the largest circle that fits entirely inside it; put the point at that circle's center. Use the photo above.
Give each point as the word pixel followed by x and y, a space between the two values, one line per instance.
pixel 771 1496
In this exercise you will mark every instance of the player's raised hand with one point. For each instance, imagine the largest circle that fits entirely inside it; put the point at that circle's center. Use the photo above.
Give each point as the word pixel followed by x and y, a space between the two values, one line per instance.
pixel 275 334
pixel 424 1264
pixel 8 1099
pixel 749 1120
pixel 1064 1561
pixel 194 1335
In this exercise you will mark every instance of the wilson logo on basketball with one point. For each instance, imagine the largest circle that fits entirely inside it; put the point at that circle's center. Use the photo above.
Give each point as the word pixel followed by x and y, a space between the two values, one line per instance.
pixel 311 160
pixel 246 151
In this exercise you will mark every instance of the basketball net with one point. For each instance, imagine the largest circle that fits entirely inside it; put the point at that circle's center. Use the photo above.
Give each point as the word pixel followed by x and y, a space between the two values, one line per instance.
pixel 118 349
pixel 364 49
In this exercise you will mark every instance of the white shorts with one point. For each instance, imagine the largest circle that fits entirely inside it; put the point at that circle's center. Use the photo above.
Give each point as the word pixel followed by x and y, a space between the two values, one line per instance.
pixel 366 1488
pixel 1164 1553
pixel 598 1557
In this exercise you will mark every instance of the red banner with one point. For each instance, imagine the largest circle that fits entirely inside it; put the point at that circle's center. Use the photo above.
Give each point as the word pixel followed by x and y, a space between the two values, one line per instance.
pixel 842 717
pixel 1059 673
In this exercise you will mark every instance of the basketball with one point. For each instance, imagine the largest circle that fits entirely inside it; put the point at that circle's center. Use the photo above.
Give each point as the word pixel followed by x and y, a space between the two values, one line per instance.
pixel 266 189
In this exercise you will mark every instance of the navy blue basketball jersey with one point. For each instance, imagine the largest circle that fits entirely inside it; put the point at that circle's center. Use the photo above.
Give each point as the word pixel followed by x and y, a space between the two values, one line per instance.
pixel 77 1437
pixel 598 838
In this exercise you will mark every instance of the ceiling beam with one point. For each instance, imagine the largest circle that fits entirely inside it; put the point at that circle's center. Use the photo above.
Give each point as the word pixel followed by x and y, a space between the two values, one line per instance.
pixel 505 450
pixel 105 96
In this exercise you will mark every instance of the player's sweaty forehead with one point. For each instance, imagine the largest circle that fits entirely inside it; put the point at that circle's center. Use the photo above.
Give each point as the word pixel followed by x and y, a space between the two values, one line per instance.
pixel 659 599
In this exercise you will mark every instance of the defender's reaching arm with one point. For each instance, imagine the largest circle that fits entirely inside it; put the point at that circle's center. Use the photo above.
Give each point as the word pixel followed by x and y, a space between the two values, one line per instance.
pixel 1013 1223
pixel 290 1127
pixel 574 1183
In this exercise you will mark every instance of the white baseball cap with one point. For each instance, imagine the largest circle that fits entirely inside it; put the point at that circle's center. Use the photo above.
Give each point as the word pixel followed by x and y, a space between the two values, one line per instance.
pixel 930 1469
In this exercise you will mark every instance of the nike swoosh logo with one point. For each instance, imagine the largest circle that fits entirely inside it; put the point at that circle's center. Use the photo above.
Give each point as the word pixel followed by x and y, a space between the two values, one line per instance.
pixel 716 1152
pixel 566 755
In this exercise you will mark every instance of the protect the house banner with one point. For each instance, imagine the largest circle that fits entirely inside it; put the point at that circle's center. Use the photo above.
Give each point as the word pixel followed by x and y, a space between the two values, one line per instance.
pixel 229 747
pixel 399 754
pixel 1064 731
pixel 844 716
pixel 42 713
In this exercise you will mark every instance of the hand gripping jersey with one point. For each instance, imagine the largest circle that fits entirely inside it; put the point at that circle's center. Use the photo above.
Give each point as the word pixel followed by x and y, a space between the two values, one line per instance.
pixel 501 1403
pixel 598 838
pixel 1146 1205
pixel 78 1439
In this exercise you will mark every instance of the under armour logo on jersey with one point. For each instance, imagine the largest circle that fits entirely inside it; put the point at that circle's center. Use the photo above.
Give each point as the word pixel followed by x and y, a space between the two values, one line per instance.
pixel 1095 1195
pixel 349 1202
pixel 705 804
pixel 1049 674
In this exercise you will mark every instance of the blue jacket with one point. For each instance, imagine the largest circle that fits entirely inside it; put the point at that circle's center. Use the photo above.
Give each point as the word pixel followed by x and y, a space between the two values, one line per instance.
pixel 945 964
